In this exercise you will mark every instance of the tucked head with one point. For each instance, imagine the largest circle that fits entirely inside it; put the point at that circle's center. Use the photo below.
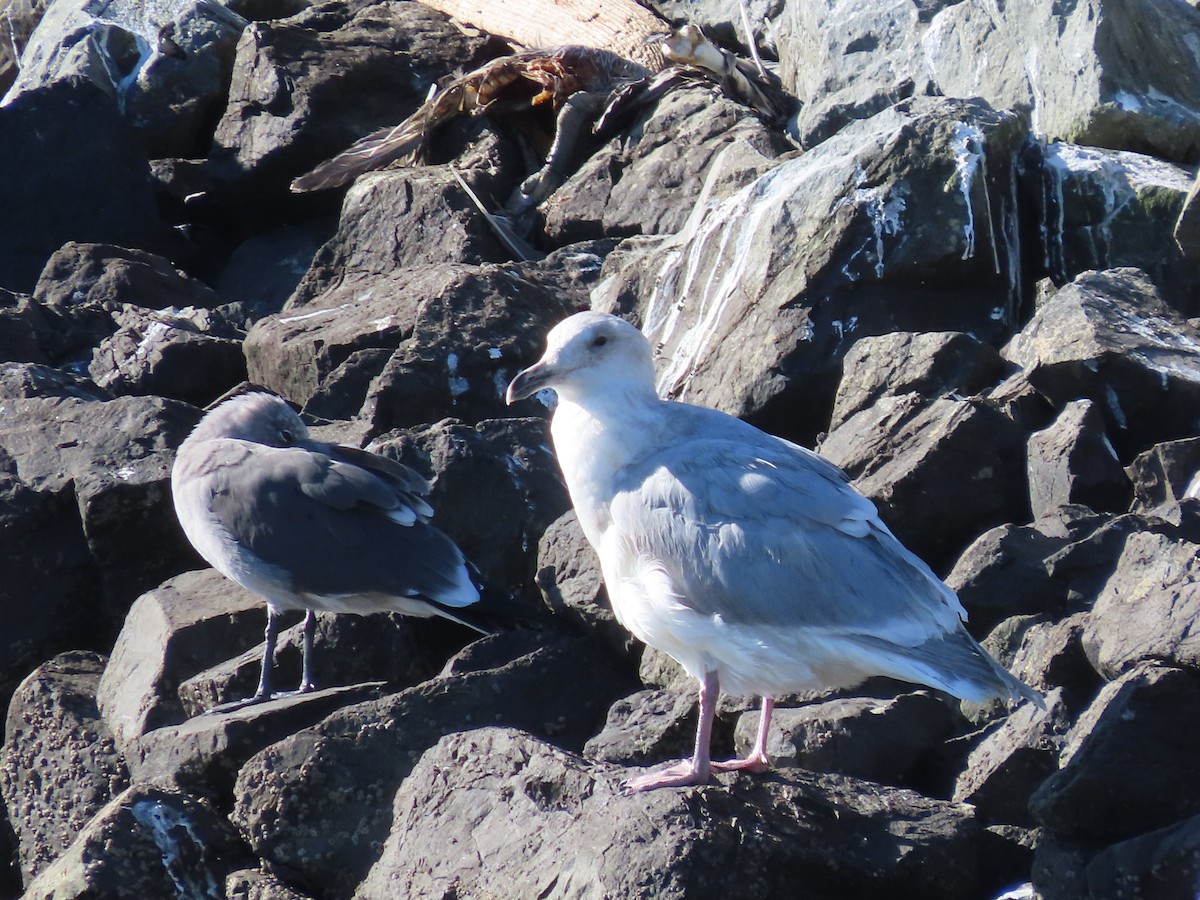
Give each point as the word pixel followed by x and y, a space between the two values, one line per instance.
pixel 586 352
pixel 258 416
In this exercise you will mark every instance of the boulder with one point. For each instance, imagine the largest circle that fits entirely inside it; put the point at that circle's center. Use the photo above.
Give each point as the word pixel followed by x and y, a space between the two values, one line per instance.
pixel 877 739
pixel 519 817
pixel 24 380
pixel 1125 762
pixel 918 460
pixel 1164 473
pixel 1109 337
pixel 59 764
pixel 84 152
pixel 304 88
pixel 651 727
pixel 317 802
pixel 693 145
pixel 105 275
pixel 146 842
pixel 1163 863
pixel 1072 461
pixel 264 270
pixel 1148 607
pixel 933 364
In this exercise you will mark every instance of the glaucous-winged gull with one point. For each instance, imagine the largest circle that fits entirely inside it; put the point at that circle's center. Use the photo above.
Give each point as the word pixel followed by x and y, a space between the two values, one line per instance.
pixel 312 526
pixel 749 559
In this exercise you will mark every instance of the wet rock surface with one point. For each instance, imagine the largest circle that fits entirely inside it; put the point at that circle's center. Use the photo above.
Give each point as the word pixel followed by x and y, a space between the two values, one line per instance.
pixel 975 287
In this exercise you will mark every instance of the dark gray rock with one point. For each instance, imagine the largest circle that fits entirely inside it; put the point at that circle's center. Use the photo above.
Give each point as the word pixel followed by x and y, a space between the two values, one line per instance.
pixel 265 269
pixel 84 152
pixel 305 88
pixel 867 228
pixel 1164 473
pixel 167 67
pixel 87 521
pixel 259 884
pixel 1148 608
pixel 1109 337
pixel 1073 461
pixel 59 764
pixel 693 147
pixel 1124 769
pixel 651 727
pixel 1005 768
pixel 520 817
pixel 875 739
pixel 572 585
pixel 201 757
pixel 1051 657
pixel 920 461
pixel 1003 572
pixel 188 623
pixel 25 380
pixel 146 842
pixel 1187 226
pixel 317 802
pixel 22 17
pixel 1162 864
pixel 97 274
pixel 931 365
pixel 1108 73
pixel 185 354
pixel 1108 209
pixel 496 488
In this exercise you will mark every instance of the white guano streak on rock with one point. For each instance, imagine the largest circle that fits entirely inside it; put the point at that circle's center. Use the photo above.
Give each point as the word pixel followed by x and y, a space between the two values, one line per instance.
pixel 970 159
pixel 458 385
pixel 300 317
pixel 167 827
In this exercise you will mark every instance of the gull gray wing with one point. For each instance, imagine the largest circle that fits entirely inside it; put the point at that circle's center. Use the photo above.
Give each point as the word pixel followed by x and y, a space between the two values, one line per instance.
pixel 761 532
pixel 338 528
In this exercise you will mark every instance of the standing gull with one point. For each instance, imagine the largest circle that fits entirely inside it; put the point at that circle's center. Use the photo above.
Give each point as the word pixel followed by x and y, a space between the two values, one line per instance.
pixel 749 559
pixel 311 526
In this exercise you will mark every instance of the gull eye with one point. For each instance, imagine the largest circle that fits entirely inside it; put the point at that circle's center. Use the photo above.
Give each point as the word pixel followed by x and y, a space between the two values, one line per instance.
pixel 599 341
pixel 286 436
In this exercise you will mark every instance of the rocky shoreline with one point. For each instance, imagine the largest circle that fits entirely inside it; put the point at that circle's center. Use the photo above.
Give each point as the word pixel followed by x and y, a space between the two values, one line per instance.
pixel 969 277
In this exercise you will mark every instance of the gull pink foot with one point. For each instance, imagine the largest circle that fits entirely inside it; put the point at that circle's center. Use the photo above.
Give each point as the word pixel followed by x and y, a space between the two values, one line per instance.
pixel 682 774
pixel 752 763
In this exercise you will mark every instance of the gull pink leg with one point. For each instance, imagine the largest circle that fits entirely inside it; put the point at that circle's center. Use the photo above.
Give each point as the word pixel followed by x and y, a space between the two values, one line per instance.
pixel 756 760
pixel 687 771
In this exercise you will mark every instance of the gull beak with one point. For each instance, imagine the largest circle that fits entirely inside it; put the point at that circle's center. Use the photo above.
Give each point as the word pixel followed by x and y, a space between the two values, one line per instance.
pixel 528 382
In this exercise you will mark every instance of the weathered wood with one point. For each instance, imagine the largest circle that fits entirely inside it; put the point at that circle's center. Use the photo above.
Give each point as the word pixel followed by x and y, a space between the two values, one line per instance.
pixel 621 26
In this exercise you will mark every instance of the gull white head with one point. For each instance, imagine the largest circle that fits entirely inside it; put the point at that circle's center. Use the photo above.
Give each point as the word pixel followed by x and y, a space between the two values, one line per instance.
pixel 590 354
pixel 256 416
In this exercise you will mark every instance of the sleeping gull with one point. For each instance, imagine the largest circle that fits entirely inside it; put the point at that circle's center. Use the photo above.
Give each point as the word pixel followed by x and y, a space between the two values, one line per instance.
pixel 749 559
pixel 311 526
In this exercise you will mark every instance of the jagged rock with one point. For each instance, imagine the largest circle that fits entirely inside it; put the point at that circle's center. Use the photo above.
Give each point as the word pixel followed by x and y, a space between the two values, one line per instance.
pixel 305 88
pixel 1109 337
pixel 1164 473
pixel 1125 763
pixel 1148 608
pixel 97 274
pixel 651 727
pixel 84 151
pixel 1051 657
pixel 572 585
pixel 1187 226
pixel 918 461
pixel 1108 209
pixel 520 817
pixel 259 884
pixel 1164 863
pixel 1073 461
pixel 59 764
pixel 866 229
pixel 86 522
pixel 1104 72
pixel 931 365
pixel 202 756
pixel 146 842
pixel 1005 768
pixel 185 354
pixel 317 802
pixel 22 17
pixel 692 147
pixel 24 380
pixel 496 488
pixel 186 624
pixel 864 737
pixel 265 269
pixel 1003 572
pixel 167 67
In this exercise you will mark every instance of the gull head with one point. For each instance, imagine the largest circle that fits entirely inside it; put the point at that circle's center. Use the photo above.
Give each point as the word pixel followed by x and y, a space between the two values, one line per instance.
pixel 257 416
pixel 586 354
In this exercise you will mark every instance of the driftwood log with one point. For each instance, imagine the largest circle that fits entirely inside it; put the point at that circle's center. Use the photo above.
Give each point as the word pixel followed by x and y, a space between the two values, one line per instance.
pixel 621 26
